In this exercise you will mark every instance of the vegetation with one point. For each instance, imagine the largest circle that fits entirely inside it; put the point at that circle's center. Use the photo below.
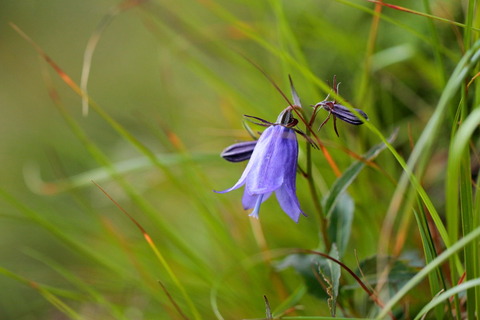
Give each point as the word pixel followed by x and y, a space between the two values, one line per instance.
pixel 115 114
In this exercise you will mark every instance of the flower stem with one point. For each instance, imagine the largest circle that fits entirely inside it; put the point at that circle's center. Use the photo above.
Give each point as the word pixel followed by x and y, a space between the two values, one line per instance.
pixel 316 199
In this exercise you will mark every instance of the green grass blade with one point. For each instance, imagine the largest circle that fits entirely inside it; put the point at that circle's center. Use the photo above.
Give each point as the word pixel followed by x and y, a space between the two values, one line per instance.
pixel 35 182
pixel 459 183
pixel 422 149
pixel 79 283
pixel 436 279
pixel 446 295
pixel 46 293
pixel 427 269
pixel 61 235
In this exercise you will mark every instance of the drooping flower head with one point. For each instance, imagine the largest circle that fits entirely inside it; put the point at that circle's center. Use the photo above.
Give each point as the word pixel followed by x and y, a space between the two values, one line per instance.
pixel 272 167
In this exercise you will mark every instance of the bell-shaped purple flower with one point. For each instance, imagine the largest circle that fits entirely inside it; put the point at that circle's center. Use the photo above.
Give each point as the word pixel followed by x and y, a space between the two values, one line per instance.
pixel 272 168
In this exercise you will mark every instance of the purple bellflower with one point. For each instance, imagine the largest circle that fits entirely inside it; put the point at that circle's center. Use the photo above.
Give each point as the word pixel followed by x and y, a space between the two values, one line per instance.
pixel 272 167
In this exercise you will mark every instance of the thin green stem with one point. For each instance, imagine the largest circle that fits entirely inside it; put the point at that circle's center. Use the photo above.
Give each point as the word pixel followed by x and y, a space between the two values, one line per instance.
pixel 316 200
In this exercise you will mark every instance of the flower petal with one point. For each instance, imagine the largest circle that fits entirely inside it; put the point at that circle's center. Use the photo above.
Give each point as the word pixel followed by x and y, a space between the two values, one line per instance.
pixel 250 165
pixel 249 201
pixel 288 200
pixel 275 153
pixel 287 196
pixel 237 185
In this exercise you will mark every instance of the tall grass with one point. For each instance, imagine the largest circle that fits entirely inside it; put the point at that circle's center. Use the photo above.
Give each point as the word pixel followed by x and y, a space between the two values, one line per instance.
pixel 121 222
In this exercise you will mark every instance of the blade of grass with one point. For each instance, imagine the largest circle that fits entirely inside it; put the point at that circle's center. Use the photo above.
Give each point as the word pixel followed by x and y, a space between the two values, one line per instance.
pixel 459 171
pixel 79 283
pixel 112 122
pixel 172 301
pixel 422 149
pixel 63 236
pixel 288 41
pixel 93 41
pixel 423 14
pixel 211 219
pixel 472 266
pixel 46 293
pixel 103 160
pixel 413 282
pixel 470 254
pixel 436 279
pixel 158 254
pixel 33 178
pixel 451 54
pixel 446 295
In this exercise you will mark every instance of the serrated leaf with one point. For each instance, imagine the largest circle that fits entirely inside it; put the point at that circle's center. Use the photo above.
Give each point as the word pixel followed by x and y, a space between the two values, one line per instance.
pixel 331 272
pixel 340 224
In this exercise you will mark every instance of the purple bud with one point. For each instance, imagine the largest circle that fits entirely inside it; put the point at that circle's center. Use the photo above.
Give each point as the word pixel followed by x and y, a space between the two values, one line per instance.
pixel 342 112
pixel 239 152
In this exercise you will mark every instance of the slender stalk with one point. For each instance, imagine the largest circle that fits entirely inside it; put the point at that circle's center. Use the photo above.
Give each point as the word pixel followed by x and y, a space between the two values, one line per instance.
pixel 316 200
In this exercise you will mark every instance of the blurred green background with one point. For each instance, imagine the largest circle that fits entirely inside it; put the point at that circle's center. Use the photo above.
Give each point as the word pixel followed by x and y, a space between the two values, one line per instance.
pixel 173 75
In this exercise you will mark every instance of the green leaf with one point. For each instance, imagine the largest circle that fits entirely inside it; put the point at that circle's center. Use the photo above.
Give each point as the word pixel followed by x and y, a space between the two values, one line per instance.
pixel 306 265
pixel 340 224
pixel 313 268
pixel 446 295
pixel 401 271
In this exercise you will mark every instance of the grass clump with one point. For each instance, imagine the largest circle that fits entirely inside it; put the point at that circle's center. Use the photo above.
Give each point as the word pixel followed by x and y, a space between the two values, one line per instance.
pixel 115 218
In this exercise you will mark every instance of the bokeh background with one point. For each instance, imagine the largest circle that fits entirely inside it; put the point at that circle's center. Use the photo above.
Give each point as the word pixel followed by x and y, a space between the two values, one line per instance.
pixel 175 75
